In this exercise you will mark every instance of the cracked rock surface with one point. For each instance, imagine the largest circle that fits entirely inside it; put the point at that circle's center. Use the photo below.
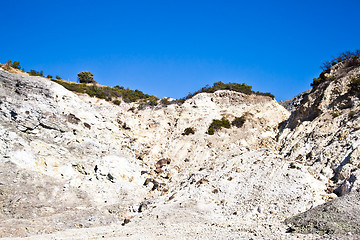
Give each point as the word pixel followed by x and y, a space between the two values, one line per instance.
pixel 75 167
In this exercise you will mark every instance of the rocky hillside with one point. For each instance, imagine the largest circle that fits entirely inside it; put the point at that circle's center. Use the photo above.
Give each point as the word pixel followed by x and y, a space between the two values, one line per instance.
pixel 293 103
pixel 73 165
pixel 323 131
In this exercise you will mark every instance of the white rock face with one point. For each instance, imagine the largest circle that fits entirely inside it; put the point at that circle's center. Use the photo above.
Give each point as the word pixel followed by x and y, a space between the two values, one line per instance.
pixel 161 129
pixel 47 129
pixel 323 131
pixel 103 164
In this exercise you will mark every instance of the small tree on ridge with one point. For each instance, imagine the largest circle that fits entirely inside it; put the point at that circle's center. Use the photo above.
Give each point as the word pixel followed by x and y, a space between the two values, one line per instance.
pixel 86 77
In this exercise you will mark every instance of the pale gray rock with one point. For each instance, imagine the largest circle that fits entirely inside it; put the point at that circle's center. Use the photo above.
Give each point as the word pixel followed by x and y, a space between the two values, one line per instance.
pixel 293 103
pixel 323 131
pixel 123 163
pixel 340 216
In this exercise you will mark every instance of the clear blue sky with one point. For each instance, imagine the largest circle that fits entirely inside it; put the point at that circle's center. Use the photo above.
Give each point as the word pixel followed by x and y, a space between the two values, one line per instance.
pixel 170 48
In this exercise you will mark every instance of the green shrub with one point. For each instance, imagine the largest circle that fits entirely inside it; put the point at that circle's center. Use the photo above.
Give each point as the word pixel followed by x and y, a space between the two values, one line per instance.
pixel 86 77
pixel 335 114
pixel 152 101
pixel 57 77
pixel 242 88
pixel 352 62
pixel 316 82
pixel 355 84
pixel 211 131
pixel 16 65
pixel 351 58
pixel 265 94
pixel 116 102
pixel 74 87
pixel 238 121
pixel 180 101
pixel 49 76
pixel 351 114
pixel 218 124
pixel 188 131
pixel 165 101
pixel 108 93
pixel 134 95
pixel 149 101
pixel 36 73
pixel 141 106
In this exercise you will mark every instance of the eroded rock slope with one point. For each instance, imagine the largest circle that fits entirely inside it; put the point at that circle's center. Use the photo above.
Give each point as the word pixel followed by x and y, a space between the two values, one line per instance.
pixel 70 161
pixel 323 131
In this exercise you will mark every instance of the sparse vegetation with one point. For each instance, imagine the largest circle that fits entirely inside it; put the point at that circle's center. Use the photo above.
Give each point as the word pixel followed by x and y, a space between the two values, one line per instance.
pixel 188 131
pixel 108 93
pixel 322 78
pixel 6 66
pixel 36 73
pixel 14 64
pixel 350 59
pixel 355 84
pixel 225 123
pixel 211 131
pixel 335 114
pixel 180 101
pixel 165 101
pixel 351 114
pixel 317 81
pixel 10 64
pixel 243 88
pixel 238 121
pixel 218 124
pixel 116 102
pixel 133 95
pixel 152 101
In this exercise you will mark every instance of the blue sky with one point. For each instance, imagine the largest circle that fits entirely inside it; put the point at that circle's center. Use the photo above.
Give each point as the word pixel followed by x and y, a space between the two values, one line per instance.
pixel 170 48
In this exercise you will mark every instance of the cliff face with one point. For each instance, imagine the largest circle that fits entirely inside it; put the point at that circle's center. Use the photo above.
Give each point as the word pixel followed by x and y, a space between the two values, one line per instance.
pixel 293 103
pixel 72 161
pixel 323 131
pixel 48 131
